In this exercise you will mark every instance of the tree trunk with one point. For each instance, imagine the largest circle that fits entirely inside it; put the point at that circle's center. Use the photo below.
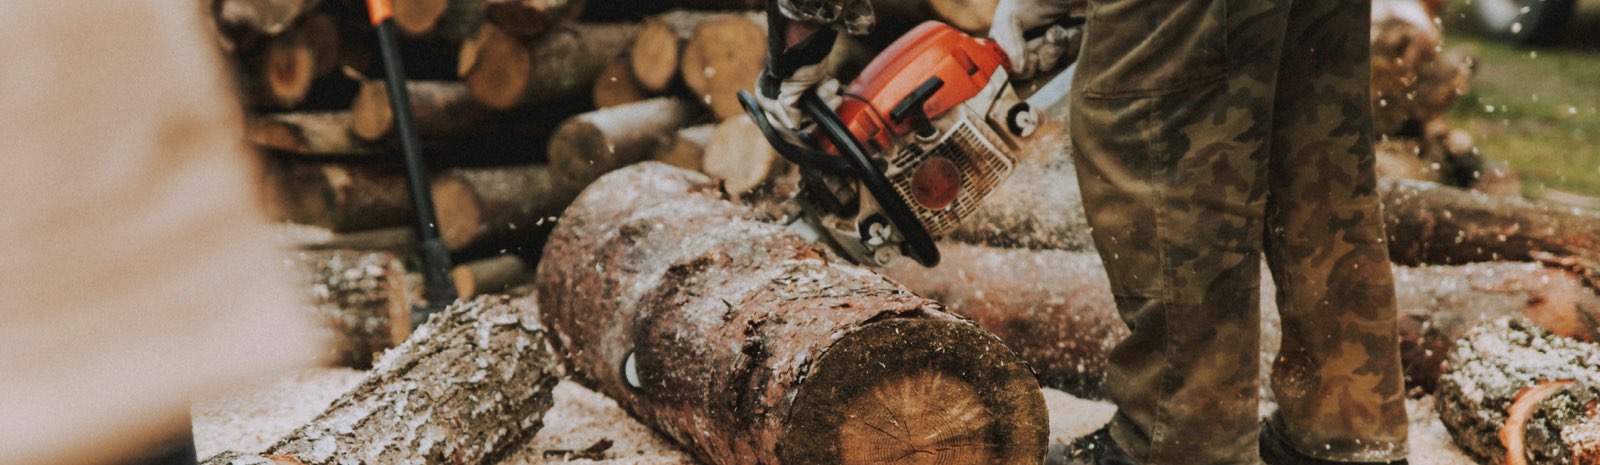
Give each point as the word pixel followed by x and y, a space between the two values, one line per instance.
pixel 469 386
pixel 739 155
pixel 309 133
pixel 685 148
pixel 362 299
pixel 736 337
pixel 504 71
pixel 723 57
pixel 973 16
pixel 440 109
pixel 594 143
pixel 529 18
pixel 1514 390
pixel 490 275
pixel 1055 308
pixel 616 86
pixel 489 206
pixel 657 50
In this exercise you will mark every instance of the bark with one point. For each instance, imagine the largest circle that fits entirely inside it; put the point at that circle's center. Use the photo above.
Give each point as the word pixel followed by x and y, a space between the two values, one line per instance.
pixel 439 109
pixel 499 205
pixel 616 86
pixel 1414 80
pixel 361 298
pixel 1056 310
pixel 529 18
pixel 657 50
pixel 261 17
pixel 468 387
pixel 322 31
pixel 490 275
pixel 973 16
pixel 743 337
pixel 594 143
pixel 346 198
pixel 504 71
pixel 723 58
pixel 739 155
pixel 309 133
pixel 684 148
pixel 1517 394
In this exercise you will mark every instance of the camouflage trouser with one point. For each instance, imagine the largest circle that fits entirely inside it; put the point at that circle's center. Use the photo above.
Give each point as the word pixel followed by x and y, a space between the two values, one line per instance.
pixel 1209 132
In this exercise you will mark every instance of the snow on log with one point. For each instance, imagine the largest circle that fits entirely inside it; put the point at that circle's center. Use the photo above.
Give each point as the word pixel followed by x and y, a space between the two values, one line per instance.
pixel 467 387
pixel 361 298
pixel 1054 308
pixel 745 344
pixel 1517 394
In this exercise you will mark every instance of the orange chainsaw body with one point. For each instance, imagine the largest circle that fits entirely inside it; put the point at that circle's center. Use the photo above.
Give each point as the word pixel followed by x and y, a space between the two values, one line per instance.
pixel 965 64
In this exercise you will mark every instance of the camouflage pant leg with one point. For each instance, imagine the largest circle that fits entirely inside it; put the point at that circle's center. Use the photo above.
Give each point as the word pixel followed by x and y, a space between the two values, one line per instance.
pixel 1337 379
pixel 1173 129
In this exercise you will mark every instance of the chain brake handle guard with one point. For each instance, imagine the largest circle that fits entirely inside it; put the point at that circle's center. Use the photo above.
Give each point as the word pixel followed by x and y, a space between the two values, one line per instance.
pixel 851 162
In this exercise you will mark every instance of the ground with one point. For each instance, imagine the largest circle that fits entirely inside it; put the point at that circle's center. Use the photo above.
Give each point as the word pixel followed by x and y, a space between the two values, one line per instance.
pixel 1536 108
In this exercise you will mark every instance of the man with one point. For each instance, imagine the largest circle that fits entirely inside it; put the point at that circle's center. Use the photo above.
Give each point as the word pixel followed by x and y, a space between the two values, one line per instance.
pixel 1206 134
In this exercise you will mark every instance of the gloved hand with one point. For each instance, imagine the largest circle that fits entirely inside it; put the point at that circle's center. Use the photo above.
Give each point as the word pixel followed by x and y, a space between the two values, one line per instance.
pixel 783 108
pixel 1014 17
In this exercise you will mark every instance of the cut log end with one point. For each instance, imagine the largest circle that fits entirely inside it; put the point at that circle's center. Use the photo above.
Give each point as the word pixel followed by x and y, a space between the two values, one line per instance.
pixel 371 114
pixel 654 56
pixel 1527 401
pixel 717 63
pixel 496 67
pixel 891 392
pixel 460 215
pixel 290 67
pixel 617 86
pixel 417 17
pixel 740 155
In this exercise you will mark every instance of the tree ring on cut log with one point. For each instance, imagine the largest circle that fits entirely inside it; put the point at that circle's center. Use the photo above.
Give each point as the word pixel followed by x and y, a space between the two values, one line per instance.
pixel 891 391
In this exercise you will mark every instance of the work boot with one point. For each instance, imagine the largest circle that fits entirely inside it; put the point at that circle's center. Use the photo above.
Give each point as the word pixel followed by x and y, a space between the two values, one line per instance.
pixel 1095 449
pixel 1275 450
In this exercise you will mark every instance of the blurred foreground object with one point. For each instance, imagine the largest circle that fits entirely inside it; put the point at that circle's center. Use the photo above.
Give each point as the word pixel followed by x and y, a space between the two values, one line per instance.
pixel 138 274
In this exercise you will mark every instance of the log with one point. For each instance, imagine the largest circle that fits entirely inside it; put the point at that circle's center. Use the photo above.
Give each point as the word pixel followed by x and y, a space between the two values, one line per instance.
pixel 439 109
pixel 1514 390
pixel 592 144
pixel 361 299
pixel 468 387
pixel 739 155
pixel 529 18
pixel 503 71
pixel 1430 223
pixel 309 133
pixel 490 275
pixel 1055 308
pixel 450 21
pixel 261 17
pixel 658 49
pixel 684 148
pixel 1040 207
pixel 322 31
pixel 281 73
pixel 498 205
pixel 973 16
pixel 741 337
pixel 616 86
pixel 721 58
pixel 416 17
pixel 397 240
pixel 1414 79
pixel 346 198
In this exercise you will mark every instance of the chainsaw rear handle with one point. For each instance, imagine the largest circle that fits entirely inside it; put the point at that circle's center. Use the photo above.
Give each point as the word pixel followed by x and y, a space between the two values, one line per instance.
pixel 852 162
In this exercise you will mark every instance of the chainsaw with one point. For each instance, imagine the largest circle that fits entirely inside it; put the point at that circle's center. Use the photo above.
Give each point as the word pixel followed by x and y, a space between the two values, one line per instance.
pixel 879 184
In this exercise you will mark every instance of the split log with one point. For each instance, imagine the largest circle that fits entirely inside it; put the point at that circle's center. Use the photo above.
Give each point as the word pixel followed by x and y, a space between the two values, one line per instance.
pixel 489 275
pixel 309 133
pixel 1517 394
pixel 261 17
pixel 503 71
pixel 529 18
pixel 657 50
pixel 347 198
pixel 468 387
pixel 721 58
pixel 1056 310
pixel 488 206
pixel 439 109
pixel 617 86
pixel 973 16
pixel 594 143
pixel 361 298
pixel 685 148
pixel 737 337
pixel 739 155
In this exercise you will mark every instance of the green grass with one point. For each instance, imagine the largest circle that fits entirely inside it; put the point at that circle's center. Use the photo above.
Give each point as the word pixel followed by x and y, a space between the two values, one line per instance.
pixel 1536 108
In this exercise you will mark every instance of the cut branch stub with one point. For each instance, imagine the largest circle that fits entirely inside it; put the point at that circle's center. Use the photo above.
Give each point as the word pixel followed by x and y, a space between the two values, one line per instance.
pixel 745 344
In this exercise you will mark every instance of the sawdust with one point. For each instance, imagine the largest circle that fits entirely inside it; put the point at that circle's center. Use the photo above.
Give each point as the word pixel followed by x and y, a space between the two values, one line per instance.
pixel 585 427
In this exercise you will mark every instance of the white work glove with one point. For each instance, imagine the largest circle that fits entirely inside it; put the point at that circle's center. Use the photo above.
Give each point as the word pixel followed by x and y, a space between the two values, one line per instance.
pixel 784 110
pixel 1013 17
